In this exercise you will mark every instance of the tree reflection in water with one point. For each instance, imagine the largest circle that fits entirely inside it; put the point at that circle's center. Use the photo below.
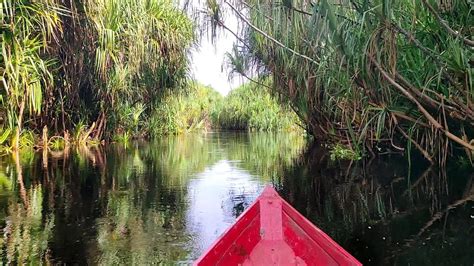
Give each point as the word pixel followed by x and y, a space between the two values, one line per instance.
pixel 167 201
pixel 384 214
pixel 27 228
pixel 126 204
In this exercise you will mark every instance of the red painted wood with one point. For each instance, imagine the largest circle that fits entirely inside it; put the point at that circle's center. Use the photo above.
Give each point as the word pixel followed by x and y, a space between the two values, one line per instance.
pixel 271 232
pixel 237 242
pixel 270 215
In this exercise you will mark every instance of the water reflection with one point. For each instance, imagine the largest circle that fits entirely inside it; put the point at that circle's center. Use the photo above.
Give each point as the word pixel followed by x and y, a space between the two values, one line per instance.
pixel 149 203
pixel 217 196
pixel 383 213
pixel 167 201
pixel 27 232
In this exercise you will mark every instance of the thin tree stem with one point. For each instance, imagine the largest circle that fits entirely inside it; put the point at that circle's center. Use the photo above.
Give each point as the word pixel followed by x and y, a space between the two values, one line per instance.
pixel 446 26
pixel 420 107
pixel 266 35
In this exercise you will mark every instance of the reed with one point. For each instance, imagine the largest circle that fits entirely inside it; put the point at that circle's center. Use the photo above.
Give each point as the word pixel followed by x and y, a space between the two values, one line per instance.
pixel 252 107
pixel 185 111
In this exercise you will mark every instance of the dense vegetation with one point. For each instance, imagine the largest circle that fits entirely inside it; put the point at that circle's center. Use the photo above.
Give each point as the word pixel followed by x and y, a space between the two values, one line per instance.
pixel 186 110
pixel 95 67
pixel 252 107
pixel 372 75
pixel 105 69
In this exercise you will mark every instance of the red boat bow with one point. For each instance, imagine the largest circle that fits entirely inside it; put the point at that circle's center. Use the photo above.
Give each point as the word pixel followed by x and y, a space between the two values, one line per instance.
pixel 271 232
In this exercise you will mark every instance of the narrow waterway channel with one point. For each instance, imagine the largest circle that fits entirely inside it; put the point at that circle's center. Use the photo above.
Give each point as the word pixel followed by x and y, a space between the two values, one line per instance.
pixel 166 201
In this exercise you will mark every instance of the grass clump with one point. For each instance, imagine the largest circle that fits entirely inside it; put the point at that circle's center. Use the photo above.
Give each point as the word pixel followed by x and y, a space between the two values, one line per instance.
pixel 342 152
pixel 57 143
pixel 252 107
pixel 184 111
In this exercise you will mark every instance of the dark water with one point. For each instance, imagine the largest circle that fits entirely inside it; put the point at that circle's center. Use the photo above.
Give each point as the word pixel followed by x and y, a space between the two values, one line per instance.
pixel 165 202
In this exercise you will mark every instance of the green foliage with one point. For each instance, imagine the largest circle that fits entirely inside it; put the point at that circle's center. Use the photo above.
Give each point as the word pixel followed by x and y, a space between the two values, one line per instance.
pixel 6 183
pixel 129 118
pixel 341 152
pixel 141 53
pixel 25 73
pixel 368 71
pixel 185 111
pixel 5 134
pixel 252 107
pixel 27 139
pixel 56 143
pixel 200 108
pixel 110 66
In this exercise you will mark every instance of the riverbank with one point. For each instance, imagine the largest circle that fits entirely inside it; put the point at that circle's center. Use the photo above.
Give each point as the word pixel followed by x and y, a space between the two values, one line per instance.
pixel 195 109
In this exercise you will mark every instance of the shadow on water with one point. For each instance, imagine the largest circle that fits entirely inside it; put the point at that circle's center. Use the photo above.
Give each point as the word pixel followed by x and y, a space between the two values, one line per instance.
pixel 168 200
pixel 382 213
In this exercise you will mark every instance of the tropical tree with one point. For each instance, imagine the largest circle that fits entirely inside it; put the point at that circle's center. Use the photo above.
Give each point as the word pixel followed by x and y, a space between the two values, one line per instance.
pixel 373 75
pixel 27 30
pixel 97 65
pixel 141 52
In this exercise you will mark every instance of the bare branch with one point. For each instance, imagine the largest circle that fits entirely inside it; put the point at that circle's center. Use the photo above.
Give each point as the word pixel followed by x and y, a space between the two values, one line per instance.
pixel 420 107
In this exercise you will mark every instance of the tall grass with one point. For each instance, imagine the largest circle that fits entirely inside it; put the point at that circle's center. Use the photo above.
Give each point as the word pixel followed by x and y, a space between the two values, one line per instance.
pixel 252 107
pixel 199 108
pixel 185 111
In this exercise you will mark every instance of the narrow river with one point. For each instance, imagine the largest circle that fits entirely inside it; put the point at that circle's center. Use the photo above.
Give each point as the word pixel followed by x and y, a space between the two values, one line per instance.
pixel 166 201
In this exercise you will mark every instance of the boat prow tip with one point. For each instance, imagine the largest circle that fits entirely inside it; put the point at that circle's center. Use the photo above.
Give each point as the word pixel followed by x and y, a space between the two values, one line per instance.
pixel 269 191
